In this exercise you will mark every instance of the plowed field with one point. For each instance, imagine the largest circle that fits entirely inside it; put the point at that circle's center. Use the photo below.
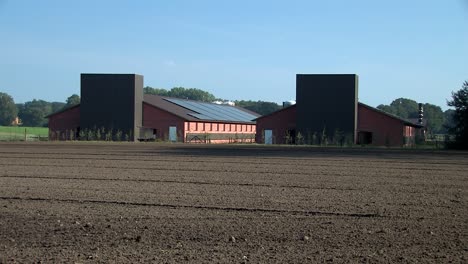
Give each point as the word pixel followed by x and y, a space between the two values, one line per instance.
pixel 127 203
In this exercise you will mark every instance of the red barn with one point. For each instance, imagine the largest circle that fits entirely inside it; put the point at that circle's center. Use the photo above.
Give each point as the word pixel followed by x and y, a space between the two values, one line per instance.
pixel 374 127
pixel 191 121
pixel 130 115
pixel 172 119
pixel 328 111
pixel 380 128
pixel 65 123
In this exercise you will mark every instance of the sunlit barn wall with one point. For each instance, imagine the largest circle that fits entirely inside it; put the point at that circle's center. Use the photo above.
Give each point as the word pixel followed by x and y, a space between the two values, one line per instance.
pixel 195 132
pixel 386 130
pixel 218 132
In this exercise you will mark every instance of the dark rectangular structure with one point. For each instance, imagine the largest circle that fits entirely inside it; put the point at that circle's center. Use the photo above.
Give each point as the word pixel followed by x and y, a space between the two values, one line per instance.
pixel 327 102
pixel 113 102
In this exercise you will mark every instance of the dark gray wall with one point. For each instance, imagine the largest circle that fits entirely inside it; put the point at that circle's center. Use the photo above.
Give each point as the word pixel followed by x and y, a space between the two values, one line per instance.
pixel 327 101
pixel 112 101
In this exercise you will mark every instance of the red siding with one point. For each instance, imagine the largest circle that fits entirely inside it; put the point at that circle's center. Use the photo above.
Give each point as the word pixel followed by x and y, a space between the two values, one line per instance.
pixel 64 125
pixel 279 122
pixel 161 120
pixel 386 130
pixel 410 131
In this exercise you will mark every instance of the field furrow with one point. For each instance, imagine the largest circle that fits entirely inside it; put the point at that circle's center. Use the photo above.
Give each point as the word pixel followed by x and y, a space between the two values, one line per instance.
pixel 109 202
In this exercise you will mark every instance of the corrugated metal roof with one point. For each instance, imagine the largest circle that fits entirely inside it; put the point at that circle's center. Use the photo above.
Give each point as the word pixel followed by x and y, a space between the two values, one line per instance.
pixel 195 111
pixel 214 112
pixel 201 111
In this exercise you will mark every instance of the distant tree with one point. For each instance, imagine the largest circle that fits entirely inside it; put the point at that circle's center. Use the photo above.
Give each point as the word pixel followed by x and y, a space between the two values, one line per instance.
pixel 409 109
pixel 260 107
pixel 402 107
pixel 435 118
pixel 386 108
pixel 155 91
pixel 183 93
pixel 406 108
pixel 191 94
pixel 460 129
pixel 57 106
pixel 448 120
pixel 20 107
pixel 33 113
pixel 8 109
pixel 72 100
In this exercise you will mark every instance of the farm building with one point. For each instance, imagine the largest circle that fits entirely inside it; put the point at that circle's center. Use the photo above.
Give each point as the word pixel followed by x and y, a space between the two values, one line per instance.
pixel 113 107
pixel 327 108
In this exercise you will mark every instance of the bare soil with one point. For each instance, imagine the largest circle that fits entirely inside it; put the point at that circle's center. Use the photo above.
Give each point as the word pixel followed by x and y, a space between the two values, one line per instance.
pixel 162 203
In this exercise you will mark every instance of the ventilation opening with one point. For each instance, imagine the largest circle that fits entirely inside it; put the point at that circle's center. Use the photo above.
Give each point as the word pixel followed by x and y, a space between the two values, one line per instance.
pixel 364 138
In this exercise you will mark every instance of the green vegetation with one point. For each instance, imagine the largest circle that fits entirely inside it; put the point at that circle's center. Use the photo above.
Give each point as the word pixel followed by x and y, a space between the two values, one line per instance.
pixel 32 113
pixel 460 128
pixel 437 120
pixel 183 93
pixel 72 101
pixel 95 134
pixel 260 107
pixel 8 110
pixel 14 133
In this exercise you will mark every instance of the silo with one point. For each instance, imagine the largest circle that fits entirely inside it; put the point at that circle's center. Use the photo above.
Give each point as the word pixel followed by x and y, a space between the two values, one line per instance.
pixel 289 103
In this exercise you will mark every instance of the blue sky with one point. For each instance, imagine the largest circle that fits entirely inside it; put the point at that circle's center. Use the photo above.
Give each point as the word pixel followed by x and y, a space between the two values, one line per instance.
pixel 239 49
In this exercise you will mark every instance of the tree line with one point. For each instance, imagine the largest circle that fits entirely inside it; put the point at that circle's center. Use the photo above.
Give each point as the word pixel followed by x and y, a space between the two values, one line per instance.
pixel 32 113
pixel 455 121
pixel 437 121
pixel 260 107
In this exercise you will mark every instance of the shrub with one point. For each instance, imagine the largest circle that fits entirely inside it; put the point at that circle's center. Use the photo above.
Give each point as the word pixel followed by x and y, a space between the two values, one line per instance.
pixel 118 135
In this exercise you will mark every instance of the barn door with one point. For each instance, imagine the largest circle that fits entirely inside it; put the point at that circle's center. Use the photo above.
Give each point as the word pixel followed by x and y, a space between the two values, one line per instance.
pixel 268 137
pixel 172 133
pixel 364 137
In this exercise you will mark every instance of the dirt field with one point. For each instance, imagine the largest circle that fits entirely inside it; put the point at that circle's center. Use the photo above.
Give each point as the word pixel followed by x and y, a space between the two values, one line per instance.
pixel 127 203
